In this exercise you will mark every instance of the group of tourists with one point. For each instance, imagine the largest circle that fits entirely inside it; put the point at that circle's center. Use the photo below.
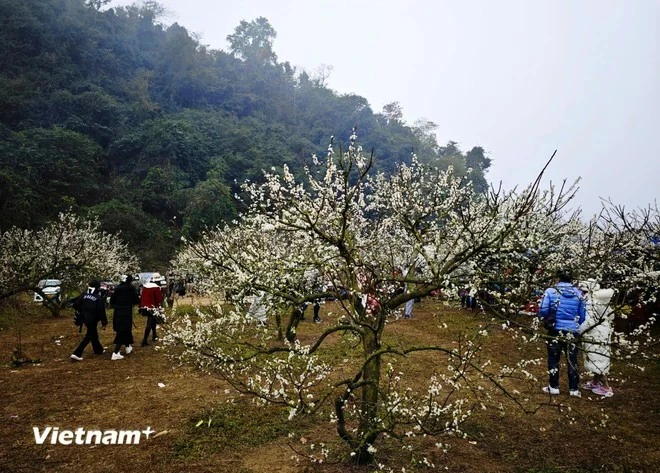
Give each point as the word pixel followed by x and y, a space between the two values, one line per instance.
pixel 574 315
pixel 578 316
pixel 91 305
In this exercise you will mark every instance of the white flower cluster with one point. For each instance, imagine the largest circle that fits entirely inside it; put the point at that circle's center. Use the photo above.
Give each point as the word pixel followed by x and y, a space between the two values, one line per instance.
pixel 70 249
pixel 374 242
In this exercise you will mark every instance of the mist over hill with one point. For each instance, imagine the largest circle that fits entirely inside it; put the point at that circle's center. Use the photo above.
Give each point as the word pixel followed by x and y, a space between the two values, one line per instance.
pixel 111 113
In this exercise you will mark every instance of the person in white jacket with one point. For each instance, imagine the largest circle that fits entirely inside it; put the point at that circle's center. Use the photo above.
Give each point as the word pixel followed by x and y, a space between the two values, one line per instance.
pixel 597 336
pixel 258 309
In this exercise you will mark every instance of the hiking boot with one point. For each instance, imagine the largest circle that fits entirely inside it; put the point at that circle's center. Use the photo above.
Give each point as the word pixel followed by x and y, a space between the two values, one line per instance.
pixel 589 385
pixel 75 357
pixel 604 391
pixel 317 321
pixel 129 349
pixel 575 393
pixel 144 344
pixel 550 390
pixel 117 356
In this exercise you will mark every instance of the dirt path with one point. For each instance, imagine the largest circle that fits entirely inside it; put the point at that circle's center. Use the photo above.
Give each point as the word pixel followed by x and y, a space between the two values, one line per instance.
pixel 95 394
pixel 125 395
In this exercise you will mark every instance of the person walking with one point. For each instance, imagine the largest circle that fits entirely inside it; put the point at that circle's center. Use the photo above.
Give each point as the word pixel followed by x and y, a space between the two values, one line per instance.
pixel 562 310
pixel 317 309
pixel 123 299
pixel 151 300
pixel 408 287
pixel 92 306
pixel 597 337
pixel 313 284
pixel 258 308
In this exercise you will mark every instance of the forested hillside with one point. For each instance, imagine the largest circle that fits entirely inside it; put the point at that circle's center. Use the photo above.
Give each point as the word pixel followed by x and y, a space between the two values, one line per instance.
pixel 111 113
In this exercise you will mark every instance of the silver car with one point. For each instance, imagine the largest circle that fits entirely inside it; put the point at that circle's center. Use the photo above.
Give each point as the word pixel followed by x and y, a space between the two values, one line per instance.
pixel 51 288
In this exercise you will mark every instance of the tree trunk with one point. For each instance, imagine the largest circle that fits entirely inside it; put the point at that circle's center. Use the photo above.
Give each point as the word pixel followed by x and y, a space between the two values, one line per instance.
pixel 53 306
pixel 370 398
pixel 294 320
pixel 278 322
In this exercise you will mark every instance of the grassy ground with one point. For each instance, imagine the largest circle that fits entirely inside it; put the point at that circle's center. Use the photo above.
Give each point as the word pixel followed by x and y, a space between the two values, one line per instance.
pixel 203 426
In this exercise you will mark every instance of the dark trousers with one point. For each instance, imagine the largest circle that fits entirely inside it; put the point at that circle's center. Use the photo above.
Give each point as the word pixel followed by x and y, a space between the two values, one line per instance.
pixel 465 301
pixel 92 335
pixel 151 327
pixel 469 302
pixel 556 346
pixel 317 308
pixel 123 337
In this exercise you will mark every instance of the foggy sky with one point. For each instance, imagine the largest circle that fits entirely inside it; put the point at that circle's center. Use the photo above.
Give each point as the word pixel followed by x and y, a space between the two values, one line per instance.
pixel 520 78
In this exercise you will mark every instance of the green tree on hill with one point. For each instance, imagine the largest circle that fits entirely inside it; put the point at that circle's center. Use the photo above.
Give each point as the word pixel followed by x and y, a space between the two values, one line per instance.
pixel 103 104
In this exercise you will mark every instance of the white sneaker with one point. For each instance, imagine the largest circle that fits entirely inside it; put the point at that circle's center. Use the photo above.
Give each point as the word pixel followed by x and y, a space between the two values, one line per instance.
pixel 117 356
pixel 550 390
pixel 76 357
pixel 129 349
pixel 575 393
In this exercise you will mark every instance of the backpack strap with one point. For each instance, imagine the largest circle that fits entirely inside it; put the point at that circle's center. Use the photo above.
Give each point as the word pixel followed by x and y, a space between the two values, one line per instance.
pixel 552 310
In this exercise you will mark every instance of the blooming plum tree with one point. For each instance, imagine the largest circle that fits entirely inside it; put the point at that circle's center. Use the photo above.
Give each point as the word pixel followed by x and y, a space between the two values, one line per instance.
pixel 377 241
pixel 70 249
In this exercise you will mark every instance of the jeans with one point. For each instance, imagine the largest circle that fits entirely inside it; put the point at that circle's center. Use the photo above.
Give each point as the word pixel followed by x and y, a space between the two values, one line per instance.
pixel 556 346
pixel 317 308
pixel 408 311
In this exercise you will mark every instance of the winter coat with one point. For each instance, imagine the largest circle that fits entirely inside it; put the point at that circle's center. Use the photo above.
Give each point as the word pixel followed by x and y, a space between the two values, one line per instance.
pixel 92 306
pixel 597 328
pixel 258 308
pixel 123 300
pixel 569 304
pixel 312 280
pixel 151 296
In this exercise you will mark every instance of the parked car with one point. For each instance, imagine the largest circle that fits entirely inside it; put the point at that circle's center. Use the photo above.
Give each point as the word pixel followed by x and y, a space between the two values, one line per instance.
pixel 51 288
pixel 156 277
pixel 160 280
pixel 143 278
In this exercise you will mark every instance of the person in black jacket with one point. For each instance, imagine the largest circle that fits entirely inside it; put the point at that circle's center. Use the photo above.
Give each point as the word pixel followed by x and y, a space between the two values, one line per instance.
pixel 92 306
pixel 123 300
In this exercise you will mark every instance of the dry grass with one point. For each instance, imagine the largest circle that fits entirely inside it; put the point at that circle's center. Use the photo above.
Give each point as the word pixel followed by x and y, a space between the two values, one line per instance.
pixel 234 437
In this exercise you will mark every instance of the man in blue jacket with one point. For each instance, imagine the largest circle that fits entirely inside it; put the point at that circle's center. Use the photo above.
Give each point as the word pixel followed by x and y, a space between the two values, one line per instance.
pixel 563 310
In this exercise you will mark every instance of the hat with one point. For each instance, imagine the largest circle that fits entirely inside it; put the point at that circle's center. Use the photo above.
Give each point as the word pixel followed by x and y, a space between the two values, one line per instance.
pixel 590 285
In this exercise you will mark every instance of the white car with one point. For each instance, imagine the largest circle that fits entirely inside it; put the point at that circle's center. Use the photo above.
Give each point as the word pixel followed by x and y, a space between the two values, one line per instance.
pixel 51 288
pixel 159 279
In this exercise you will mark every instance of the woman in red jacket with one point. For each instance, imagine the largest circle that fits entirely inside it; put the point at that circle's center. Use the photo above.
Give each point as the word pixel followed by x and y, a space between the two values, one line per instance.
pixel 151 300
